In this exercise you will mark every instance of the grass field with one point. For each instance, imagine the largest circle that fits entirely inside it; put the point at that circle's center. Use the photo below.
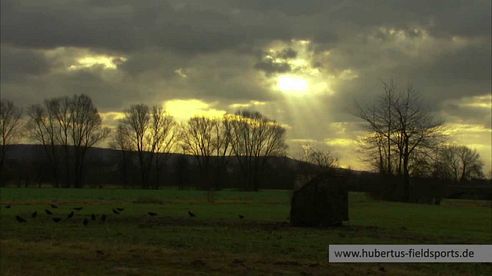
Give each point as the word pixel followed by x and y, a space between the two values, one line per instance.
pixel 216 241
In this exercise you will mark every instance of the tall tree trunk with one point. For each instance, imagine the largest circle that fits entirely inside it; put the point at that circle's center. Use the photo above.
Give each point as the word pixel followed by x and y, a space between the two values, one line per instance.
pixel 2 159
pixel 463 172
pixel 406 174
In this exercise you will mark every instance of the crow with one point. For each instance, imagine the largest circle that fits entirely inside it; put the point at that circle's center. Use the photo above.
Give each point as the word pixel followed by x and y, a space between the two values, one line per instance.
pixel 70 215
pixel 34 214
pixel 93 217
pixel 120 209
pixel 241 216
pixel 7 206
pixel 48 212
pixel 152 214
pixel 191 214
pixel 85 222
pixel 103 218
pixel 20 220
pixel 53 206
pixel 116 211
pixel 77 208
pixel 56 220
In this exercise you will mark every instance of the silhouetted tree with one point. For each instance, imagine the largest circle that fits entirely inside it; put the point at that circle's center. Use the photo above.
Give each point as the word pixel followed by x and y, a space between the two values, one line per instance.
pixel 121 141
pixel 151 132
pixel 42 127
pixel 323 159
pixel 86 130
pixel 254 139
pixel 222 147
pixel 60 110
pixel 400 123
pixel 316 161
pixel 72 123
pixel 162 139
pixel 10 116
pixel 205 139
pixel 458 163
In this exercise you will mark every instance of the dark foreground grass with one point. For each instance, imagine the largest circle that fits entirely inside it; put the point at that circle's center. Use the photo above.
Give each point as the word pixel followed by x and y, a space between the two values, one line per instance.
pixel 216 241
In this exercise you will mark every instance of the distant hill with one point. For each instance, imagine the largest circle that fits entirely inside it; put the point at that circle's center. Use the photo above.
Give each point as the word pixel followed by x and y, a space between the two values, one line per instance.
pixel 106 166
pixel 36 153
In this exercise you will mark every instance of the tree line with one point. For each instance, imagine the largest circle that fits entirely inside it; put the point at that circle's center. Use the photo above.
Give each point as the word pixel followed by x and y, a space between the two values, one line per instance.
pixel 248 136
pixel 67 127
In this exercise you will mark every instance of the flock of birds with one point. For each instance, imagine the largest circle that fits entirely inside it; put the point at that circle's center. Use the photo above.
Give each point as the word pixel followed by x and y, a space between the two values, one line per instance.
pixel 86 220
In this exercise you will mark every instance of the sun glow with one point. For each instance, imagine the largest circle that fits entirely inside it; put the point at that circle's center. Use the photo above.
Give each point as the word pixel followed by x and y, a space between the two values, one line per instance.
pixel 183 109
pixel 105 62
pixel 292 84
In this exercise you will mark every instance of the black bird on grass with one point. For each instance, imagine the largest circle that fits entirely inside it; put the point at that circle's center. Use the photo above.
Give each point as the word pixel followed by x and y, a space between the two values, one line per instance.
pixel 85 222
pixel 56 220
pixel 191 214
pixel 53 206
pixel 152 214
pixel 103 218
pixel 241 216
pixel 33 215
pixel 77 208
pixel 120 209
pixel 116 211
pixel 48 212
pixel 7 206
pixel 93 217
pixel 20 220
pixel 70 215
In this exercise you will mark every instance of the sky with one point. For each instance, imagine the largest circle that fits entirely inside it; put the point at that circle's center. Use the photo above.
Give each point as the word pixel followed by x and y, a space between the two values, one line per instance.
pixel 302 63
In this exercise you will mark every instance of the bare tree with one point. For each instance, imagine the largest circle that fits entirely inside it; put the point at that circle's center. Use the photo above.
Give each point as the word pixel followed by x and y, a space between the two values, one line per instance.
pixel 162 139
pixel 86 130
pixel 42 127
pixel 206 140
pixel 197 138
pixel 400 123
pixel 458 163
pixel 10 116
pixel 416 128
pixel 323 159
pixel 222 147
pixel 59 108
pixel 254 139
pixel 72 123
pixel 315 161
pixel 136 124
pixel 151 132
pixel 382 124
pixel 120 141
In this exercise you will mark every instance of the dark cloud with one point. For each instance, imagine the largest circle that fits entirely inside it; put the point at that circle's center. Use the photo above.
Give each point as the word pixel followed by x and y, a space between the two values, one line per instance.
pixel 20 64
pixel 468 110
pixel 194 27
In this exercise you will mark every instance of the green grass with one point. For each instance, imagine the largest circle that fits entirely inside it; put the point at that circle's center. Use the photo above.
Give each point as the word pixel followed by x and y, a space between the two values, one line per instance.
pixel 217 241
